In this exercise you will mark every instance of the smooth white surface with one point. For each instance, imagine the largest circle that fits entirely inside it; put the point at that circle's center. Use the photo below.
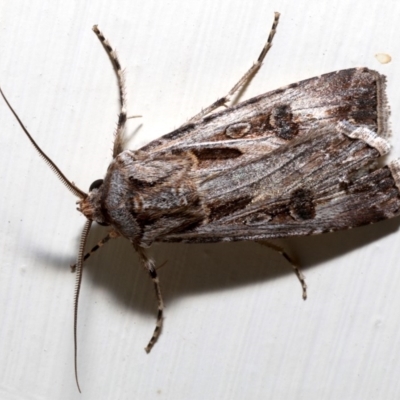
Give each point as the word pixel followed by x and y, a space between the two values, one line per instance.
pixel 235 324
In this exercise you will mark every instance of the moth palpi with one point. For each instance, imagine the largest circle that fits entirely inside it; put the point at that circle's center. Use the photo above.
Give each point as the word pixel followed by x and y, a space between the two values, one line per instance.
pixel 300 160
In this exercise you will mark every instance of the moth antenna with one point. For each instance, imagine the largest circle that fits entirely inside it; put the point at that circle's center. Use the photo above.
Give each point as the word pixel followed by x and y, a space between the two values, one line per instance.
pixel 112 54
pixel 78 281
pixel 76 191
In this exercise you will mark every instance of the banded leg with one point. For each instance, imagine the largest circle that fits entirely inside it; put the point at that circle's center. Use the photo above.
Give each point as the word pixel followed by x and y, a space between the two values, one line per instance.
pixel 101 243
pixel 296 269
pixel 149 265
pixel 245 78
pixel 112 54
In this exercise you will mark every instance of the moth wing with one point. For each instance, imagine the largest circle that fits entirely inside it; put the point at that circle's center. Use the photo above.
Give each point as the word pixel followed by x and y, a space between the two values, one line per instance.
pixel 278 117
pixel 326 180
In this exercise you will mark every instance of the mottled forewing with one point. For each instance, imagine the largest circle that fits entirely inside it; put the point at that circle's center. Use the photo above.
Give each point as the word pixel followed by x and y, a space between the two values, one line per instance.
pixel 266 122
pixel 325 180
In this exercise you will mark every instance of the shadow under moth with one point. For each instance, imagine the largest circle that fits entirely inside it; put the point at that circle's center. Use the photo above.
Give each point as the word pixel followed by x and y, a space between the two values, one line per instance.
pixel 300 160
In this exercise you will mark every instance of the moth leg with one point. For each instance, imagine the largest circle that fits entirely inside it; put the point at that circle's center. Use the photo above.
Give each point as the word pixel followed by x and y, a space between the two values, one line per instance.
pixel 295 267
pixel 102 242
pixel 112 54
pixel 149 266
pixel 245 78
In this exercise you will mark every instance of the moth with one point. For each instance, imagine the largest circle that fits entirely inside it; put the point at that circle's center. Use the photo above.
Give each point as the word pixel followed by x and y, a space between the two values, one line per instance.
pixel 299 160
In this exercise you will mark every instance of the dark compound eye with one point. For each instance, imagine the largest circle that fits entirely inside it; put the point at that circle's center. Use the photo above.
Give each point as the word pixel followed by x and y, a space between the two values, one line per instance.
pixel 96 184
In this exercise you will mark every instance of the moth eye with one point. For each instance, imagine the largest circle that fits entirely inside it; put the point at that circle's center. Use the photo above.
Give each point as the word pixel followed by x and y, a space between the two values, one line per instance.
pixel 96 184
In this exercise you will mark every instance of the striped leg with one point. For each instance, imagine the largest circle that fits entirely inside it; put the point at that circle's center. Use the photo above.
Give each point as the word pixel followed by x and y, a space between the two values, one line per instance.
pixel 102 242
pixel 245 78
pixel 119 133
pixel 148 264
pixel 296 269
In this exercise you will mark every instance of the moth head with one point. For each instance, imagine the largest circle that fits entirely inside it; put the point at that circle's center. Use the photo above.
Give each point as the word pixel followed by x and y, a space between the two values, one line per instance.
pixel 90 206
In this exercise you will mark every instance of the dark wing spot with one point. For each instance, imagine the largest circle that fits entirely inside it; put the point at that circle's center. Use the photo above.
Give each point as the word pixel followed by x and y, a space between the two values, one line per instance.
pixel 282 121
pixel 301 204
pixel 216 153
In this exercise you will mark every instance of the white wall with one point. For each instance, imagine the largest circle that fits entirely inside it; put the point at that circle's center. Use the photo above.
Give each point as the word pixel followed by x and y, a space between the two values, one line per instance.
pixel 236 326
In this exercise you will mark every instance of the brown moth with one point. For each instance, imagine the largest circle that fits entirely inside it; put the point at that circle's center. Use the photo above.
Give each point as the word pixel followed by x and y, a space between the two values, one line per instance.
pixel 299 160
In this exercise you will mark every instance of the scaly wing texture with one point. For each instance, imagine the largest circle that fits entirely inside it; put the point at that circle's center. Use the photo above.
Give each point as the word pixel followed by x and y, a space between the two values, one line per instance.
pixel 295 161
pixel 274 119
pixel 326 180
